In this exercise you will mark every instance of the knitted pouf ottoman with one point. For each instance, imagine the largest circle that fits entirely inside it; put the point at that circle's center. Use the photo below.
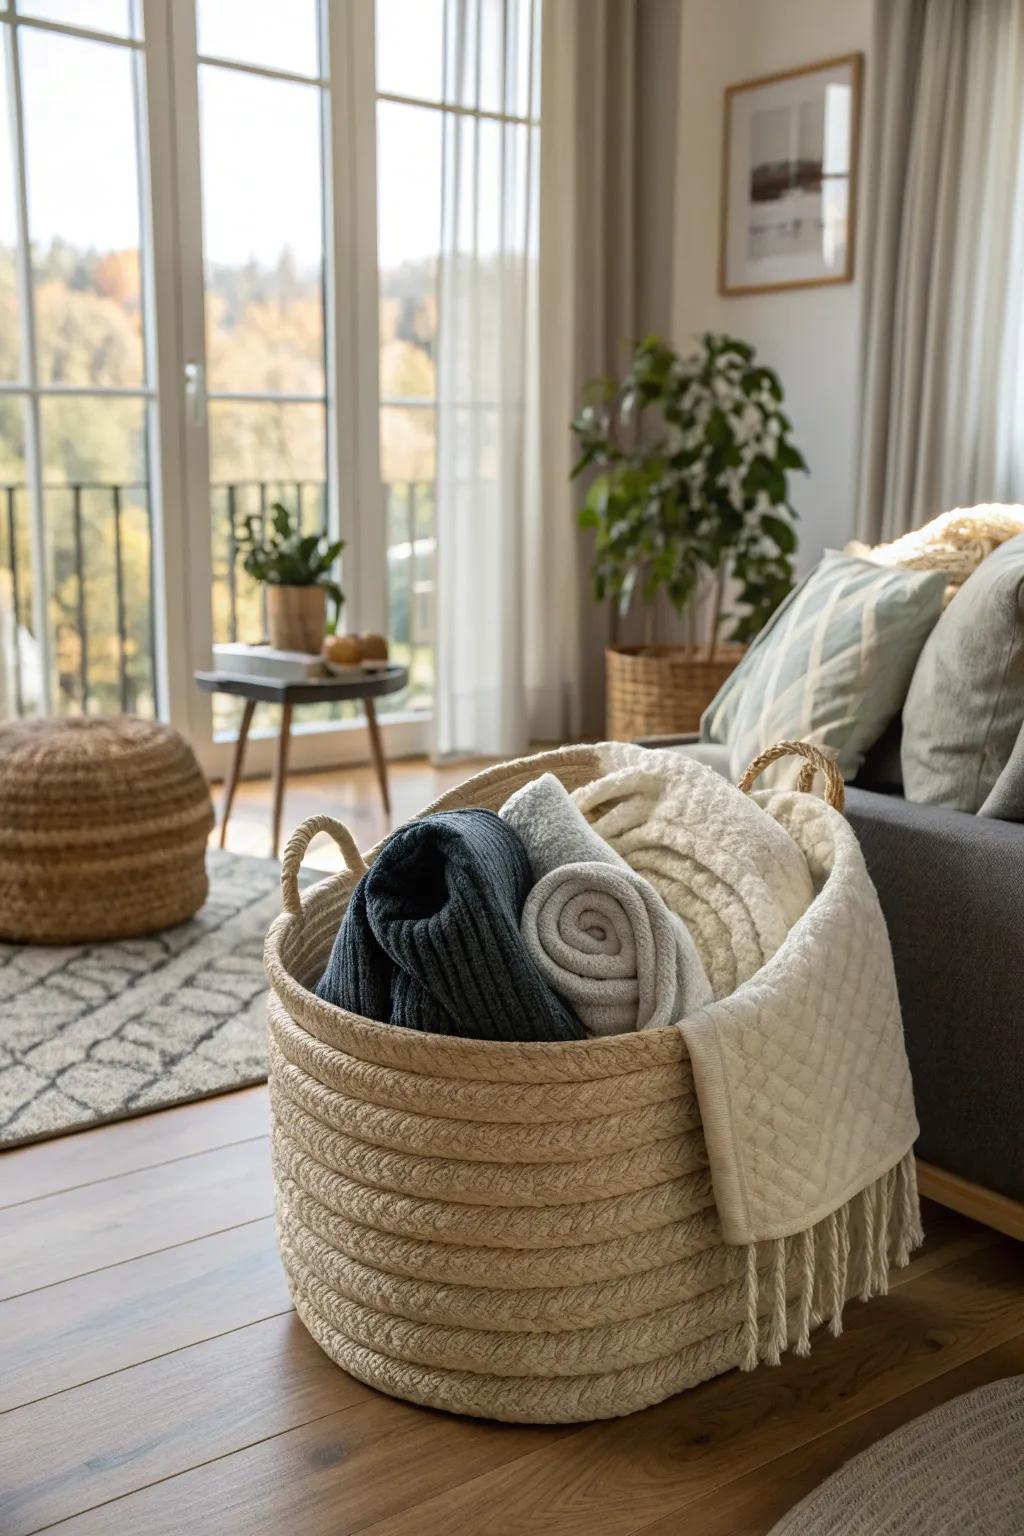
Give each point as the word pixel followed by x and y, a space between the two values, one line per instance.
pixel 103 828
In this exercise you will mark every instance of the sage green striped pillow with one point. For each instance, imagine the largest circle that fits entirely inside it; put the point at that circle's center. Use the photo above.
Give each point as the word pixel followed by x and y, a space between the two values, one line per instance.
pixel 832 667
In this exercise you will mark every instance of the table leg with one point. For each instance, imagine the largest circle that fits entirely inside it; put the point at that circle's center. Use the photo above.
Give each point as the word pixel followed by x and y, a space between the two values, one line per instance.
pixel 377 752
pixel 231 783
pixel 280 774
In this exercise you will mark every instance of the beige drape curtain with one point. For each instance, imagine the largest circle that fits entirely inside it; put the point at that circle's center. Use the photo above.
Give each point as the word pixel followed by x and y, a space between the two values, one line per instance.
pixel 587 308
pixel 943 344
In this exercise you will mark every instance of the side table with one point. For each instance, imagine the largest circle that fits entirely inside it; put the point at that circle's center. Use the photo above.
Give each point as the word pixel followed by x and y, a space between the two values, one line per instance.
pixel 327 690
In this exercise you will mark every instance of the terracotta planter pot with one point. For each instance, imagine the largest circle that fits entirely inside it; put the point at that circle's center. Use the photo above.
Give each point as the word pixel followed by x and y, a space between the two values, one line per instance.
pixel 662 690
pixel 296 616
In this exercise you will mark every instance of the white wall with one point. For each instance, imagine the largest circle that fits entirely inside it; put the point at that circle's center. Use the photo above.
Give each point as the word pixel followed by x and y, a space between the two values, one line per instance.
pixel 811 336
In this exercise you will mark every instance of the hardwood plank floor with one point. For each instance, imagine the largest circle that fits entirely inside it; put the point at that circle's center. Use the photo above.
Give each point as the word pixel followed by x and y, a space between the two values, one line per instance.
pixel 154 1381
pixel 94 1226
pixel 47 1168
pixel 750 1505
pixel 115 1318
pixel 612 1479
pixel 168 1388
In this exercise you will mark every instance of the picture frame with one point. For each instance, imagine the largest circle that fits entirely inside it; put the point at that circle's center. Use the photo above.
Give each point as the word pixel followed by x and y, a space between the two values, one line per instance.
pixel 789 178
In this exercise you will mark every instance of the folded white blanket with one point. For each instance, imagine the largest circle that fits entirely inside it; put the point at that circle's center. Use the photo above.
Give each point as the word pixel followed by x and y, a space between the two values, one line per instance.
pixel 799 1065
pixel 601 935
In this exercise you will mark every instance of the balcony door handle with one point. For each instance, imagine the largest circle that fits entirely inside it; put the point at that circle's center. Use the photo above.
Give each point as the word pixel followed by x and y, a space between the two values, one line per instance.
pixel 195 393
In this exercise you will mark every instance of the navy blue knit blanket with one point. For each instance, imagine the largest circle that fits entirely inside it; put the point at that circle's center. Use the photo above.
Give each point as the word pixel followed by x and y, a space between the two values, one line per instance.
pixel 431 938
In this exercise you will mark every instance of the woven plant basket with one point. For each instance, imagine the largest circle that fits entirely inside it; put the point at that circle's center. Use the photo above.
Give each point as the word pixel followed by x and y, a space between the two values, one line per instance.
pixel 521 1232
pixel 661 690
pixel 103 828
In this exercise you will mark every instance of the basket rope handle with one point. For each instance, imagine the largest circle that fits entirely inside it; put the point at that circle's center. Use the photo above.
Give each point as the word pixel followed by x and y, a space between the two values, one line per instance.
pixel 297 845
pixel 815 761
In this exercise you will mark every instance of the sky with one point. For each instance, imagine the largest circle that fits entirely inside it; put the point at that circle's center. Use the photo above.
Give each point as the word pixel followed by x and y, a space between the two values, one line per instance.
pixel 260 141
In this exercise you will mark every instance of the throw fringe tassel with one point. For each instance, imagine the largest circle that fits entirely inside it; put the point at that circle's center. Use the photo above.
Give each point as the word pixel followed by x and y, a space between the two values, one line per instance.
pixel 806 1312
pixel 750 1339
pixel 777 1325
pixel 867 1210
pixel 879 1226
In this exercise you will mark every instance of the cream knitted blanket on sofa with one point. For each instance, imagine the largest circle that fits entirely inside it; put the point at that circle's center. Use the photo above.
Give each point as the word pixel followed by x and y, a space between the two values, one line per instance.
pixel 799 1063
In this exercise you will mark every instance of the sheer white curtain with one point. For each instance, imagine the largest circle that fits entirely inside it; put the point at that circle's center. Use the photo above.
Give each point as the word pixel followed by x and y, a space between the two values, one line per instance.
pixel 943 404
pixel 490 531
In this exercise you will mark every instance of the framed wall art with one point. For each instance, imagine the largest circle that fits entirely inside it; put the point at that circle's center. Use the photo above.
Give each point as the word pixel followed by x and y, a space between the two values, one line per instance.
pixel 789 178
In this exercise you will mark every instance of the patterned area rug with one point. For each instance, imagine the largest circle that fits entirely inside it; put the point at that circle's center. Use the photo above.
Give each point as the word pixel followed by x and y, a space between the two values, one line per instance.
pixel 100 1032
pixel 956 1471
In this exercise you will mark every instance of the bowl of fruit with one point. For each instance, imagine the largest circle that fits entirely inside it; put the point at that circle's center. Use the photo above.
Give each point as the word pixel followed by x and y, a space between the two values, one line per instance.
pixel 349 655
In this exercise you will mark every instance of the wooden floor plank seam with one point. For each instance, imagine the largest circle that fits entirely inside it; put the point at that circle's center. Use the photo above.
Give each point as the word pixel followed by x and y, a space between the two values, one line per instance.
pixel 123 1146
pixel 99 1269
pixel 112 1178
pixel 55 1525
pixel 161 1354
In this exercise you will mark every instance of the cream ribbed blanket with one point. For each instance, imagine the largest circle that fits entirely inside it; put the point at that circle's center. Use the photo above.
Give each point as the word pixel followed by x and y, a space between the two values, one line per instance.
pixel 601 935
pixel 799 1064
pixel 737 880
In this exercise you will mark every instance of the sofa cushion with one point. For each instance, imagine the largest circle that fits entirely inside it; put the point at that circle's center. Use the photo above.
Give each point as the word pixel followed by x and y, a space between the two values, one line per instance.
pixel 711 753
pixel 833 666
pixel 966 702
pixel 1005 801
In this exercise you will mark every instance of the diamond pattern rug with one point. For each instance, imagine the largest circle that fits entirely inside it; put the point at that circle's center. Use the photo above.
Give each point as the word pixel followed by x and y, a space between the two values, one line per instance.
pixel 97 1032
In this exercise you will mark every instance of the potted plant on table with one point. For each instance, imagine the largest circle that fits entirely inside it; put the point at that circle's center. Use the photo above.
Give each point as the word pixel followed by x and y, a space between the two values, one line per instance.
pixel 296 568
pixel 691 499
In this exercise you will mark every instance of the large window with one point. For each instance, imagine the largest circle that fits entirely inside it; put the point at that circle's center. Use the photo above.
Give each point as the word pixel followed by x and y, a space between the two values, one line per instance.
pixel 181 187
pixel 220 226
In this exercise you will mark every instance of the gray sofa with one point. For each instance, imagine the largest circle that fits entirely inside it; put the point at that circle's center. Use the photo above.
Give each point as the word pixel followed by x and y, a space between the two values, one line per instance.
pixel 952 889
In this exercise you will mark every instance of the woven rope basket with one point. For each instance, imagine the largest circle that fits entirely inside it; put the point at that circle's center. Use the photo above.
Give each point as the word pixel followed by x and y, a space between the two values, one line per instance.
pixel 660 690
pixel 103 828
pixel 521 1232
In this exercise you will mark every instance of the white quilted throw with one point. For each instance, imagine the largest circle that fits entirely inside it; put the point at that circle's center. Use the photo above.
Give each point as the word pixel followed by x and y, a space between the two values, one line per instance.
pixel 800 1068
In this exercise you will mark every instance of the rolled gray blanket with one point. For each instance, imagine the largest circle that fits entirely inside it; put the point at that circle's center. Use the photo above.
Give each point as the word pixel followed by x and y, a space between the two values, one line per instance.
pixel 601 935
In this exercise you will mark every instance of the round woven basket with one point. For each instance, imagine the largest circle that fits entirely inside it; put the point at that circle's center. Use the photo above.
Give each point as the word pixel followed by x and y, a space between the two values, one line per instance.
pixel 522 1232
pixel 103 828
pixel 662 690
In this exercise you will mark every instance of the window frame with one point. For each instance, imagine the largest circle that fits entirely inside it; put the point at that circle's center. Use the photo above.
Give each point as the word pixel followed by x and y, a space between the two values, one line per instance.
pixel 28 388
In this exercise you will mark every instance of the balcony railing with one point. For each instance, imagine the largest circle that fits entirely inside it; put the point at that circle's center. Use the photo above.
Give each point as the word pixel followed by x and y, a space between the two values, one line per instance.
pixel 101 617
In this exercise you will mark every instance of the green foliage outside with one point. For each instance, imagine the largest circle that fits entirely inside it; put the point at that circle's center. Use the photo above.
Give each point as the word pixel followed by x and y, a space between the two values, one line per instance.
pixel 264 333
pixel 692 458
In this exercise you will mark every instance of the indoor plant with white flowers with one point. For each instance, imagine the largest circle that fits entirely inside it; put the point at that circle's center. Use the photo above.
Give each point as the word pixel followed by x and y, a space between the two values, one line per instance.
pixel 690 497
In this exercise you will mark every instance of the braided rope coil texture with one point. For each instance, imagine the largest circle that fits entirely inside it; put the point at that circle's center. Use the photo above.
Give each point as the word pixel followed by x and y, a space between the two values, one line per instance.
pixel 518 1232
